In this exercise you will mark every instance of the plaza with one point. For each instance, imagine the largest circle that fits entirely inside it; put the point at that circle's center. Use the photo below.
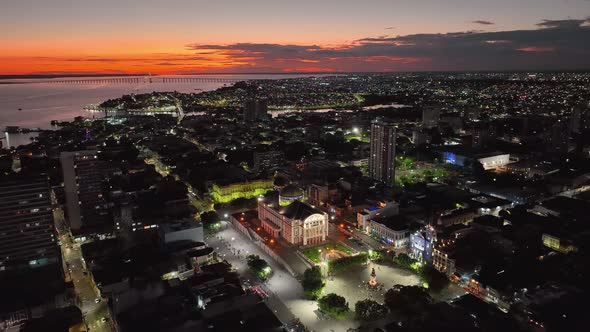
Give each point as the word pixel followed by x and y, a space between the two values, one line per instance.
pixel 352 284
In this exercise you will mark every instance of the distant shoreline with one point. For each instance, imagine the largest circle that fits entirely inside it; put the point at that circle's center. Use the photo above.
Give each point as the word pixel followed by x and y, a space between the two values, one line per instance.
pixel 46 76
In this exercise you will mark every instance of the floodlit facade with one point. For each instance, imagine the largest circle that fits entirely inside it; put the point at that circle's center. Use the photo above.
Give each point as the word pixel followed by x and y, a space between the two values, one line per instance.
pixel 298 223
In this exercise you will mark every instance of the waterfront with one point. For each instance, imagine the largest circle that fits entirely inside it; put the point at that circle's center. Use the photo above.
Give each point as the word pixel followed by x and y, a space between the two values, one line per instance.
pixel 43 101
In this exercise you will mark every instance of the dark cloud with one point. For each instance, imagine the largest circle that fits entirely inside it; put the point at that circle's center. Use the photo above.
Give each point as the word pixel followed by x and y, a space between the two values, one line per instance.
pixel 569 23
pixel 483 22
pixel 557 45
pixel 391 28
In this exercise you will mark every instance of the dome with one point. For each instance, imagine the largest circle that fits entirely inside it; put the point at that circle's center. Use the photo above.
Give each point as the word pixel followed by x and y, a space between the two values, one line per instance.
pixel 290 194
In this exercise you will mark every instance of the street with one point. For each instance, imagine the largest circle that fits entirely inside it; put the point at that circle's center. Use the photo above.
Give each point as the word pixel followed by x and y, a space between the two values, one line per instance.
pixel 94 313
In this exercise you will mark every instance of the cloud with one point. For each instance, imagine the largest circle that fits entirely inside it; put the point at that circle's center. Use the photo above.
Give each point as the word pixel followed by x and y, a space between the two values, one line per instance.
pixel 569 23
pixel 536 49
pixel 391 28
pixel 554 45
pixel 483 22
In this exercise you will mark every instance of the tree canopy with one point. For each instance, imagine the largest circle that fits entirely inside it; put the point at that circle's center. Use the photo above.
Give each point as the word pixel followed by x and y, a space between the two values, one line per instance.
pixel 313 283
pixel 369 310
pixel 333 305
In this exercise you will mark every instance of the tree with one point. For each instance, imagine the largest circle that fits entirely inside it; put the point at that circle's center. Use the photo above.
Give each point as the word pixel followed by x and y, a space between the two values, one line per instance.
pixel 368 310
pixel 313 283
pixel 407 301
pixel 209 219
pixel 334 305
pixel 345 263
pixel 435 279
pixel 259 266
pixel 406 261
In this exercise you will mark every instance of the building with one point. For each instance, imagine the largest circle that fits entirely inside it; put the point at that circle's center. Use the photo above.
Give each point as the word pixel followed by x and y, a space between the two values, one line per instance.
pixel 482 134
pixel 430 117
pixel 422 243
pixel 382 157
pixel 85 205
pixel 225 193
pixel 268 160
pixel 27 236
pixel 320 195
pixel 381 209
pixel 255 110
pixel 391 231
pixel 443 260
pixel 557 137
pixel 290 194
pixel 298 223
pixel 460 156
pixel 186 229
pixel 420 136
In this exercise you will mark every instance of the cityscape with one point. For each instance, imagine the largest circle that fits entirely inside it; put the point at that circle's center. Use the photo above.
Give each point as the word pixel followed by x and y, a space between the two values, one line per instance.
pixel 430 174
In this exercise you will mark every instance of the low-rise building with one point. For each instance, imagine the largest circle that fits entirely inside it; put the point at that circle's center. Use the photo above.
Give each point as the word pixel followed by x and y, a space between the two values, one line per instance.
pixel 380 209
pixel 185 229
pixel 393 231
pixel 248 189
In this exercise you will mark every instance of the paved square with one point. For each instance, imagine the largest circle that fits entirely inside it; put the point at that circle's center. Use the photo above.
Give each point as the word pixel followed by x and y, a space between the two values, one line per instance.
pixel 351 284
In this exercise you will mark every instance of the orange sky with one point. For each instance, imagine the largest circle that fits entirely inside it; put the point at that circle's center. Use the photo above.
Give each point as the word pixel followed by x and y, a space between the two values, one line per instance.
pixel 141 36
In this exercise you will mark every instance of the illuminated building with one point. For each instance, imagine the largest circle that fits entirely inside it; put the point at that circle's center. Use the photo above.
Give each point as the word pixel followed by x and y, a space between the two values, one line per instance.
pixel 463 157
pixel 558 244
pixel 442 260
pixel 422 243
pixel 298 223
pixel 392 231
pixel 290 194
pixel 382 157
pixel 26 223
pixel 249 189
pixel 85 205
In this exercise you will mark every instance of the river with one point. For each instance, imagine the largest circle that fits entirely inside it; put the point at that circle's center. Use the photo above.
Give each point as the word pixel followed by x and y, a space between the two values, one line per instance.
pixel 41 101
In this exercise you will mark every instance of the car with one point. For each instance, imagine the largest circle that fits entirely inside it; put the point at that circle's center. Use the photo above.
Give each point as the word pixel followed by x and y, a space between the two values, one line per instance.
pixel 97 300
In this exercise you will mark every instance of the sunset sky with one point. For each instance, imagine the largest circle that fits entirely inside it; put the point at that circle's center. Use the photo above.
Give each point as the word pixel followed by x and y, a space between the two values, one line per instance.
pixel 191 36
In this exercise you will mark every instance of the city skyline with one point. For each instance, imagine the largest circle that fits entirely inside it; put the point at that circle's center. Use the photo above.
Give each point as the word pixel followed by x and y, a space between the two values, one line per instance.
pixel 182 37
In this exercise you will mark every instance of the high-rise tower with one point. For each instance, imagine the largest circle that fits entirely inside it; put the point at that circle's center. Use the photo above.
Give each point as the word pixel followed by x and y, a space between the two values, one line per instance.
pixel 382 158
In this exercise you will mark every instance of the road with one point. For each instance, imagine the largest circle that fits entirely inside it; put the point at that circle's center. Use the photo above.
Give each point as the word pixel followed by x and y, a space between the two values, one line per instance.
pixel 74 270
pixel 339 233
pixel 286 294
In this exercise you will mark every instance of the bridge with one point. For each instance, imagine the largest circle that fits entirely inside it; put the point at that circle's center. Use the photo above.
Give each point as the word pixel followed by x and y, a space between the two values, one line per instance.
pixel 140 80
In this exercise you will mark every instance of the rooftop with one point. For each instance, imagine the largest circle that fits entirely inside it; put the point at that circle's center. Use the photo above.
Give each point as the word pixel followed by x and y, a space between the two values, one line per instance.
pixel 299 210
